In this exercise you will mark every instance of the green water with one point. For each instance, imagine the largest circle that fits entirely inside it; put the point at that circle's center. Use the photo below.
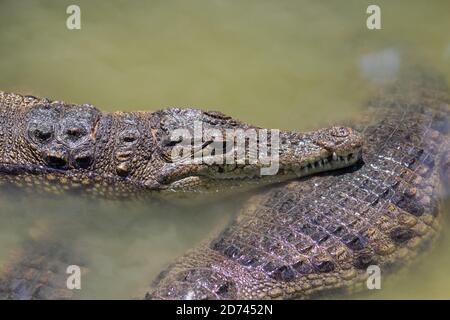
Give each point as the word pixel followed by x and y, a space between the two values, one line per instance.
pixel 282 64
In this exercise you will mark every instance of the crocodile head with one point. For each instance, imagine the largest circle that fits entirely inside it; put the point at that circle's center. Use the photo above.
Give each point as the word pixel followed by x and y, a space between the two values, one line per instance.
pixel 173 149
pixel 198 150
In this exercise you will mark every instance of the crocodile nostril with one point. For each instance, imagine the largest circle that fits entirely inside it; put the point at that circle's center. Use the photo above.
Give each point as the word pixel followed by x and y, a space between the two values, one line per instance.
pixel 83 161
pixel 56 161
pixel 56 157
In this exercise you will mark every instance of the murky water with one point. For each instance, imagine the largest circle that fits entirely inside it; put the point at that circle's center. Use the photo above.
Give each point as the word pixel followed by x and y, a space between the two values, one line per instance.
pixel 284 64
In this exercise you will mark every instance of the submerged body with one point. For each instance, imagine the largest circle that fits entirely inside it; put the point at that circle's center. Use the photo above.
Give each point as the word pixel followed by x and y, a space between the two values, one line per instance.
pixel 316 235
pixel 38 270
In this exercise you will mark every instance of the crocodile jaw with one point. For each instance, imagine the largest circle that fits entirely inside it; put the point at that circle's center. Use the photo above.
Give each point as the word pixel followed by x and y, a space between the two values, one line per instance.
pixel 302 154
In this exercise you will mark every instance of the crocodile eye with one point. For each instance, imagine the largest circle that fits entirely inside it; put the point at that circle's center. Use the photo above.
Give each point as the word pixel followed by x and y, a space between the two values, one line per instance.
pixel 167 142
pixel 73 135
pixel 74 132
pixel 40 133
pixel 76 125
pixel 129 136
pixel 41 122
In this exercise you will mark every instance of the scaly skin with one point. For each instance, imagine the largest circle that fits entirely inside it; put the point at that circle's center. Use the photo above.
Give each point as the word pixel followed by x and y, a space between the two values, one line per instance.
pixel 57 147
pixel 64 146
pixel 313 236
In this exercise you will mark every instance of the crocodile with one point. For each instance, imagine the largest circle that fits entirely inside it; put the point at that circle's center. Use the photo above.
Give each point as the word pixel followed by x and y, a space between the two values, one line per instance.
pixel 303 238
pixel 67 147
pixel 55 147
pixel 317 236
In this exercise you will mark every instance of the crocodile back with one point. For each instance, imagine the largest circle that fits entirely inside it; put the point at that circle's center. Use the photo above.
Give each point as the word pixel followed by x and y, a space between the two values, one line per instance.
pixel 315 235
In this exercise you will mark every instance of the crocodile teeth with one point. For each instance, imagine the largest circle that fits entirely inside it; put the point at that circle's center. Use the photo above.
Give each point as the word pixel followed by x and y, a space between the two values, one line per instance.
pixel 335 157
